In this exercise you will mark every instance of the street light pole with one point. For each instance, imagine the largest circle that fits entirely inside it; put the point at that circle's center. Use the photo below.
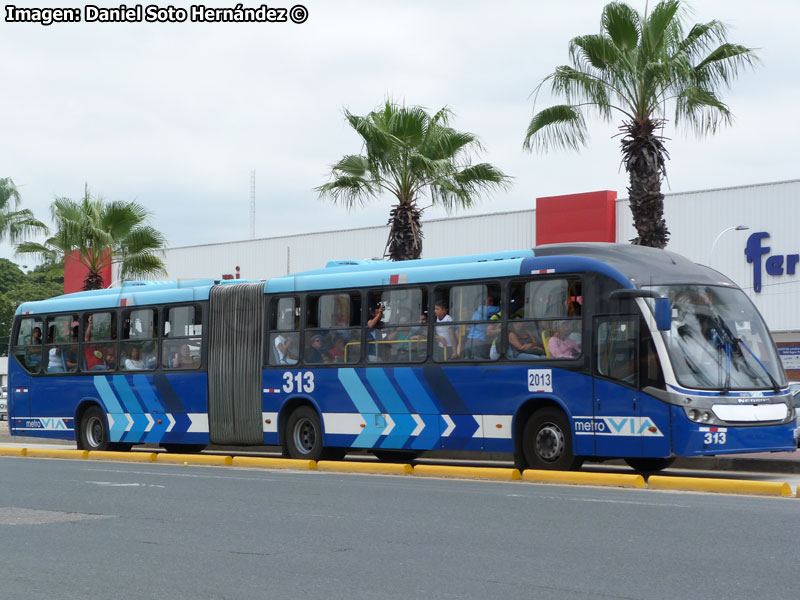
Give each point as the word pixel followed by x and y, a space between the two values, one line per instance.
pixel 721 233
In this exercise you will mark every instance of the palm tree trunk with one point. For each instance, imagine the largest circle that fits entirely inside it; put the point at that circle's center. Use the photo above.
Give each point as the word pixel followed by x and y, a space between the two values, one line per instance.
pixel 645 156
pixel 93 281
pixel 405 236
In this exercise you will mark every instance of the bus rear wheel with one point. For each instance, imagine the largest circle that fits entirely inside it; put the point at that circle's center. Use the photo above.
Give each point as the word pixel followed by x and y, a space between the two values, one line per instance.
pixel 547 442
pixel 649 465
pixel 93 432
pixel 303 438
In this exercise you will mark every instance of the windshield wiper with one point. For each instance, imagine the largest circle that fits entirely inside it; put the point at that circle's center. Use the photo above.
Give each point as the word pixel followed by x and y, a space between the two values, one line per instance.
pixel 726 336
pixel 740 342
pixel 776 388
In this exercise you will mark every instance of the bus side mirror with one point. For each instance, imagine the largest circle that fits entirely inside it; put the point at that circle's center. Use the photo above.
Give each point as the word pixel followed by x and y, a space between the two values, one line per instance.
pixel 663 314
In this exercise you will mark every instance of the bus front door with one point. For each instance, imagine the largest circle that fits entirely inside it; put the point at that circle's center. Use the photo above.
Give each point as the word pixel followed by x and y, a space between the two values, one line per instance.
pixel 616 424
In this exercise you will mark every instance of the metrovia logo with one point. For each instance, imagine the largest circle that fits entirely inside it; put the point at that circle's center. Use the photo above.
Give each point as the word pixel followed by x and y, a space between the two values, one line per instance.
pixel 775 265
pixel 623 426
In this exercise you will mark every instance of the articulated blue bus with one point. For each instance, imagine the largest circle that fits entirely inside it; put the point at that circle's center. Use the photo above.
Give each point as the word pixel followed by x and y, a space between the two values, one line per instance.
pixel 557 355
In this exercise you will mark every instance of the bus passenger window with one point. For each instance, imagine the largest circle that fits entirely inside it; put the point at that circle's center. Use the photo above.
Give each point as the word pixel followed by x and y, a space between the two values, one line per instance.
pixel 28 344
pixel 283 347
pixel 62 352
pixel 397 329
pixel 333 329
pixel 139 350
pixel 548 313
pixel 99 341
pixel 183 344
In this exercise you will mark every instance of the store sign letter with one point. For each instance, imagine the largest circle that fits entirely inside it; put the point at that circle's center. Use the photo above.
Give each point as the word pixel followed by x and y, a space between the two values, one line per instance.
pixel 775 265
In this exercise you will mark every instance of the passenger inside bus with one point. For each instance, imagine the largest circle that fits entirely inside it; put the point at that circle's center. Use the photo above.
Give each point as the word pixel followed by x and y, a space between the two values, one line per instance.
pixel 560 345
pixel 444 348
pixel 522 343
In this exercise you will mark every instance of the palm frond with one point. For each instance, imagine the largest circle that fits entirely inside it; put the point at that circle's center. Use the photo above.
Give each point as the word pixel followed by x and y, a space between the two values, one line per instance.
pixel 622 24
pixel 561 126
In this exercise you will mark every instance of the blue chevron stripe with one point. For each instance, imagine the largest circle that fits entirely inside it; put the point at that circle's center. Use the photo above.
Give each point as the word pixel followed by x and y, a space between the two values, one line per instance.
pixel 136 433
pixel 403 426
pixel 107 394
pixel 386 393
pixel 156 434
pixel 429 436
pixel 129 402
pixel 149 398
pixel 358 393
pixel 113 407
pixel 415 391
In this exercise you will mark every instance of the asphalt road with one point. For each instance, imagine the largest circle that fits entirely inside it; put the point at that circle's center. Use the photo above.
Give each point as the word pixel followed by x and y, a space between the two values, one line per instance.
pixel 72 529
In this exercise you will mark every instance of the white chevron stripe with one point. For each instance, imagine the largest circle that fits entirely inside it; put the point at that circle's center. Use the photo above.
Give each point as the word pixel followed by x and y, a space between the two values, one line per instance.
pixel 150 423
pixel 479 421
pixel 171 422
pixel 130 422
pixel 390 425
pixel 450 426
pixel 199 423
pixel 420 425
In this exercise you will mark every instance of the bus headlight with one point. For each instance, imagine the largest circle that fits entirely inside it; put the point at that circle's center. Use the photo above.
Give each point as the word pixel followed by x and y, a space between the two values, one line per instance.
pixel 700 415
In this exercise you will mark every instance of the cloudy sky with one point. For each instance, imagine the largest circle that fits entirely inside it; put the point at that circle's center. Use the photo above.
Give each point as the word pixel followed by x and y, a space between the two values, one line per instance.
pixel 176 116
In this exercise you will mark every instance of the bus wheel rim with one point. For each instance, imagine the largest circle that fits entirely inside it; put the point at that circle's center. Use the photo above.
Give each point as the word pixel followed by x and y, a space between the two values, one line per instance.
pixel 94 432
pixel 550 442
pixel 304 436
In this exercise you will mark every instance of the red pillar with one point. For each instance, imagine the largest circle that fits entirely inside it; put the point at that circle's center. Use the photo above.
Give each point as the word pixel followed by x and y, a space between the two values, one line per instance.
pixel 588 217
pixel 75 273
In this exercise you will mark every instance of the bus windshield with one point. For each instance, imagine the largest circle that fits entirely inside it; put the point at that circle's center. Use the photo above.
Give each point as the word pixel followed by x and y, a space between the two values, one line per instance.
pixel 718 340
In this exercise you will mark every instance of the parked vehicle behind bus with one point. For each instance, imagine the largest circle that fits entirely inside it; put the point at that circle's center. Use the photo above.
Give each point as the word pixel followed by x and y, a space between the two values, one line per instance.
pixel 558 355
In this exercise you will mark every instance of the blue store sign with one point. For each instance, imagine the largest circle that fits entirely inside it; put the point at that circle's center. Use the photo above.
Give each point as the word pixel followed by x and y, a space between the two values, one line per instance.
pixel 777 264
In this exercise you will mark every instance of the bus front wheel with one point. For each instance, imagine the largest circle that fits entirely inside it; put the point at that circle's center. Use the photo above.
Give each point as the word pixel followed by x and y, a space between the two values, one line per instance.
pixel 547 442
pixel 93 433
pixel 304 434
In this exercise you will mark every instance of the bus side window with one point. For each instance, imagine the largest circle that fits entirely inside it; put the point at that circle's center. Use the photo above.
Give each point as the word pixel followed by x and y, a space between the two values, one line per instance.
pixel 28 344
pixel 183 342
pixel 284 331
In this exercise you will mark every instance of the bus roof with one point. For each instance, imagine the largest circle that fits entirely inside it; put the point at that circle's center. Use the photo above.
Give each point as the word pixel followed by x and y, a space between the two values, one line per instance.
pixel 631 266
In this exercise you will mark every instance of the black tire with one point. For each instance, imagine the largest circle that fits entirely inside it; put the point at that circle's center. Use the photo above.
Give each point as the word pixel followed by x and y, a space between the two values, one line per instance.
pixel 396 456
pixel 547 442
pixel 183 448
pixel 649 465
pixel 93 432
pixel 303 436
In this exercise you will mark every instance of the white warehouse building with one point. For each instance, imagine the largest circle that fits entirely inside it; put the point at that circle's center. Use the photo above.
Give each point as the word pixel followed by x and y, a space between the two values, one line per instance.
pixel 762 259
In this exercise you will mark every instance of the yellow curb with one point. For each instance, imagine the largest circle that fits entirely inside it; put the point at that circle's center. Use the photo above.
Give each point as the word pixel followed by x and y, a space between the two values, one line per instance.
pixel 364 467
pixel 730 486
pixel 261 462
pixel 9 451
pixel 126 456
pixel 467 472
pixel 194 459
pixel 56 453
pixel 573 477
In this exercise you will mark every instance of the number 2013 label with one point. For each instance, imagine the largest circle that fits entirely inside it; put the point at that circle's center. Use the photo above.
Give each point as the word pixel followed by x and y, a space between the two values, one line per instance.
pixel 540 380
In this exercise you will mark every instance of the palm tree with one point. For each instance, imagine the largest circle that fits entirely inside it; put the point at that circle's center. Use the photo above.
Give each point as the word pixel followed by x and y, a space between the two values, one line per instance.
pixel 15 223
pixel 100 233
pixel 409 154
pixel 637 66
